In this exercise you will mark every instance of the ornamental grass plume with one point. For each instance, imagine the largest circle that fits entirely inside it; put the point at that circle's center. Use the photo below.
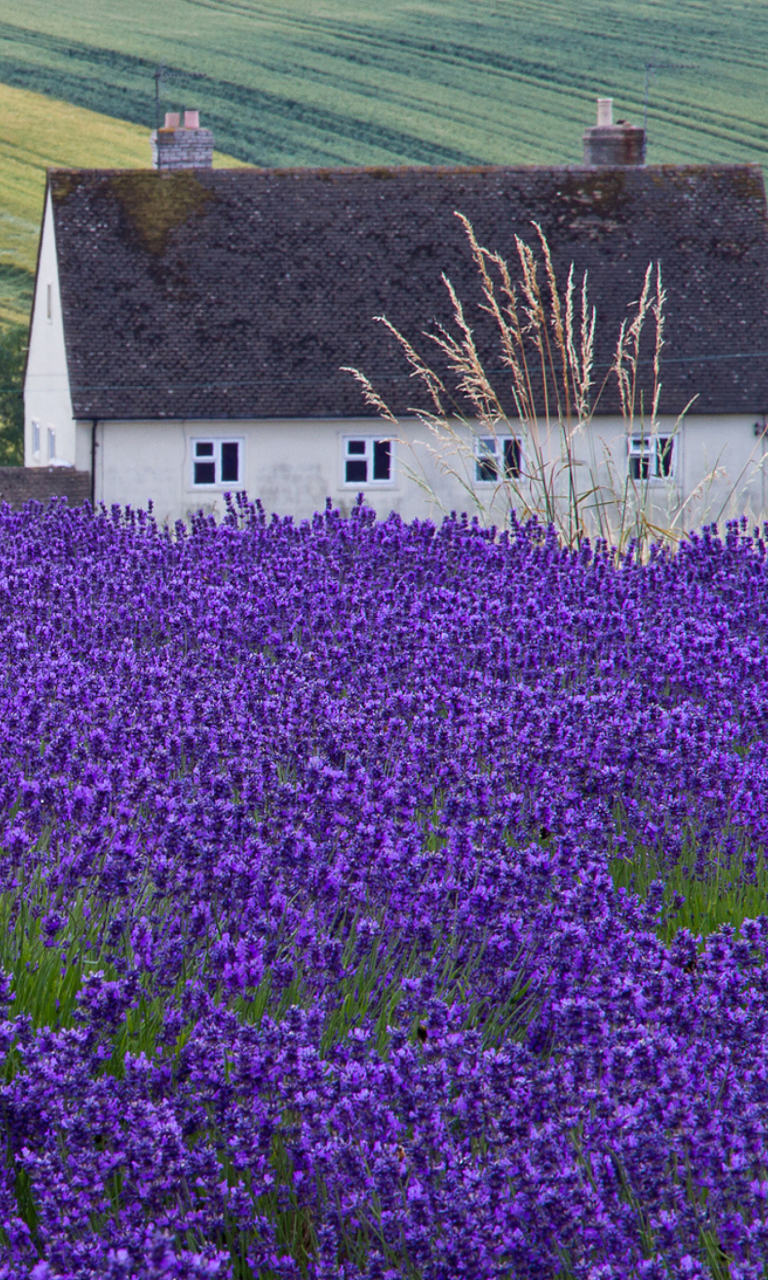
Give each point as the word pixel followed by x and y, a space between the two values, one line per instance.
pixel 546 344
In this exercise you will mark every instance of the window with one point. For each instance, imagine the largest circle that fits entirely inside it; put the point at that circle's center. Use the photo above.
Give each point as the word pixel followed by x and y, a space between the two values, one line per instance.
pixel 51 444
pixel 367 461
pixel 216 461
pixel 49 301
pixel 35 438
pixel 651 457
pixel 497 458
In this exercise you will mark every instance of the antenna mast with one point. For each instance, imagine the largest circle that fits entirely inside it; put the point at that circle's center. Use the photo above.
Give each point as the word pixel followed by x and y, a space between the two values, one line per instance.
pixel 158 75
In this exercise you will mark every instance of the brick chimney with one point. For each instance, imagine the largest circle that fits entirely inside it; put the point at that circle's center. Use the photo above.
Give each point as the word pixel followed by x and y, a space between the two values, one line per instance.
pixel 612 144
pixel 182 146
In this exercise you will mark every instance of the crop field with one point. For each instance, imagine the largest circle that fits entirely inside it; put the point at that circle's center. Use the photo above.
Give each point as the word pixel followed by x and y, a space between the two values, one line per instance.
pixel 37 132
pixel 343 82
pixel 425 81
pixel 380 901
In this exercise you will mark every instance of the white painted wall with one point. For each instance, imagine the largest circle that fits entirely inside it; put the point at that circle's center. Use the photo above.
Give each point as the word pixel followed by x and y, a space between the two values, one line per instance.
pixel 46 388
pixel 292 466
pixel 721 467
pixel 728 447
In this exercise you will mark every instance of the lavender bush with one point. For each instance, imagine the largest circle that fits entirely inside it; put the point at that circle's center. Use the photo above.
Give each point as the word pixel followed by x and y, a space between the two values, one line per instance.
pixel 380 901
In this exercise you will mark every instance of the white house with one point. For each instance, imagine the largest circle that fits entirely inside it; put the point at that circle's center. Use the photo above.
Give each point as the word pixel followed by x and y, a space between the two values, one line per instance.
pixel 190 329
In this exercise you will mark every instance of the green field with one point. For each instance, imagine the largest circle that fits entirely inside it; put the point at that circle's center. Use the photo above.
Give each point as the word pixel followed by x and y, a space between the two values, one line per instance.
pixel 352 81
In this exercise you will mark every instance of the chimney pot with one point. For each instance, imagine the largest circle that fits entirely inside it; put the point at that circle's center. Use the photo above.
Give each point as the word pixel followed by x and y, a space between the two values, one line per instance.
pixel 172 120
pixel 613 145
pixel 604 113
pixel 191 119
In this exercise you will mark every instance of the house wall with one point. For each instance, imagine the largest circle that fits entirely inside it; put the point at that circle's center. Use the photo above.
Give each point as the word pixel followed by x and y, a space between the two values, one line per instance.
pixel 46 387
pixel 727 450
pixel 292 466
pixel 721 467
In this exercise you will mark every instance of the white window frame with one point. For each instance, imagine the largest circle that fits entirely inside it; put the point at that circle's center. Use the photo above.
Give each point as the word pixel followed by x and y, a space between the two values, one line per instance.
pixel 51 443
pixel 652 448
pixel 36 438
pixel 491 450
pixel 367 455
pixel 215 457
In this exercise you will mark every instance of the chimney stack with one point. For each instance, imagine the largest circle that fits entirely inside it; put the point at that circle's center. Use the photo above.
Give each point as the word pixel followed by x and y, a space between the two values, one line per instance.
pixel 182 146
pixel 612 144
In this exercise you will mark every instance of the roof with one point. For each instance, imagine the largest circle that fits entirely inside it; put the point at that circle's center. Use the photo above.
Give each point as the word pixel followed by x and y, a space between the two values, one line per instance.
pixel 241 293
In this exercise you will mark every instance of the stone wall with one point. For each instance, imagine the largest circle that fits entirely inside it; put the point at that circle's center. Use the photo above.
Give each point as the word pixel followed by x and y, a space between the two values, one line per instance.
pixel 22 484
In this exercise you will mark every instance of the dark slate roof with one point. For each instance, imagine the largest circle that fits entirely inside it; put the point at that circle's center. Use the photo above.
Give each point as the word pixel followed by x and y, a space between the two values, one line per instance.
pixel 240 293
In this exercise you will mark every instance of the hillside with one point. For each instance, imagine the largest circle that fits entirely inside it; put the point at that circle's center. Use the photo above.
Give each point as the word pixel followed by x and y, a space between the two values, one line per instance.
pixel 35 133
pixel 353 81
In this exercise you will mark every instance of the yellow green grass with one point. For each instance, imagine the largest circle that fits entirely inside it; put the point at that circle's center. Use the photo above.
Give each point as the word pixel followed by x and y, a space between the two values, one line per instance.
pixel 37 132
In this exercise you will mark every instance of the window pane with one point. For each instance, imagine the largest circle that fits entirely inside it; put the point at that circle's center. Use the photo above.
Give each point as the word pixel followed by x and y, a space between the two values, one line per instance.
pixel 205 473
pixel 381 459
pixel 357 472
pixel 204 449
pixel 486 469
pixel 487 466
pixel 229 461
pixel 638 466
pixel 512 457
pixel 664 455
pixel 356 446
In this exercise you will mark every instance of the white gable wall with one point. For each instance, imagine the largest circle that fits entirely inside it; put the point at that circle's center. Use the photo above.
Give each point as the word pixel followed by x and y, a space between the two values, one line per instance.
pixel 293 466
pixel 47 399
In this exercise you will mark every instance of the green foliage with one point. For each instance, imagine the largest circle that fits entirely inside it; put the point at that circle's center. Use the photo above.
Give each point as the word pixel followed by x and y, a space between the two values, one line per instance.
pixel 48 970
pixel 702 890
pixel 13 350
pixel 46 975
pixel 17 283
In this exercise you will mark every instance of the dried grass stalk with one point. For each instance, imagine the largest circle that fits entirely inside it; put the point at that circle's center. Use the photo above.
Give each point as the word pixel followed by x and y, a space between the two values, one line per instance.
pixel 546 341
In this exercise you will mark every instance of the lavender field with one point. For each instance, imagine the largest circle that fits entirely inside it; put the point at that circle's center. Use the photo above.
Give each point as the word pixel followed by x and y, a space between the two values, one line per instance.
pixel 380 901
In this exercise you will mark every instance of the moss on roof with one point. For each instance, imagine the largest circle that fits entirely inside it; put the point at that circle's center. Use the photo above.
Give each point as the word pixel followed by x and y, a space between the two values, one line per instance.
pixel 155 204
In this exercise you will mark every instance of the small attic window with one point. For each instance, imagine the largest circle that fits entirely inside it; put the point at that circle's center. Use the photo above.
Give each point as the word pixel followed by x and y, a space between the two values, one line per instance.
pixel 49 301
